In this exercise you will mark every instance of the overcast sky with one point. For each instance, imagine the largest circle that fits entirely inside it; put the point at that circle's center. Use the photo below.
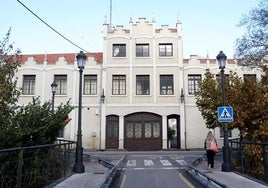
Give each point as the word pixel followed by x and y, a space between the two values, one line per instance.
pixel 208 25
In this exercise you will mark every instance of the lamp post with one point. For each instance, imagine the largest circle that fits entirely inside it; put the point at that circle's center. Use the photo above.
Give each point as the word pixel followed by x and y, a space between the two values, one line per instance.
pixel 226 165
pixel 54 86
pixel 79 166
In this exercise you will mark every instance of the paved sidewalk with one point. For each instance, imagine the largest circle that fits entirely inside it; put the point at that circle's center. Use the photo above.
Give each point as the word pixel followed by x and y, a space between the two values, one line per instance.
pixel 230 179
pixel 92 177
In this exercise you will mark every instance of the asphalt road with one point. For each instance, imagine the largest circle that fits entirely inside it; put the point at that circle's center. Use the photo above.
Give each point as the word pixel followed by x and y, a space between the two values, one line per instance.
pixel 156 170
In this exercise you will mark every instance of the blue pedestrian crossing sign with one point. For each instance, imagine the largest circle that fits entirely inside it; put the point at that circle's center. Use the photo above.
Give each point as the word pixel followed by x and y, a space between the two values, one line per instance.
pixel 225 114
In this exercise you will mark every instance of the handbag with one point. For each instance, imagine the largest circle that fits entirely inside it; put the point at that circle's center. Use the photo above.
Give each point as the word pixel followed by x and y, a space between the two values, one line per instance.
pixel 213 146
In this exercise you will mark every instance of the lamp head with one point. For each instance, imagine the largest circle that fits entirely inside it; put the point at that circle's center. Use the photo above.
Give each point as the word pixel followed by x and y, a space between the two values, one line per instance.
pixel 81 60
pixel 221 58
pixel 54 86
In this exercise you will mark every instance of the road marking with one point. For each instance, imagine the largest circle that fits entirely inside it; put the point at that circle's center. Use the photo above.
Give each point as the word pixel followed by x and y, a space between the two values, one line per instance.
pixel 186 181
pixel 123 181
pixel 181 162
pixel 148 163
pixel 165 163
pixel 176 157
pixel 131 163
pixel 156 168
pixel 155 157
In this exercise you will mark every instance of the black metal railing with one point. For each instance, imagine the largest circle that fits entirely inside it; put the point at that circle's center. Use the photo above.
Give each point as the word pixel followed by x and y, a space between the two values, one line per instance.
pixel 111 175
pixel 36 166
pixel 250 158
pixel 202 177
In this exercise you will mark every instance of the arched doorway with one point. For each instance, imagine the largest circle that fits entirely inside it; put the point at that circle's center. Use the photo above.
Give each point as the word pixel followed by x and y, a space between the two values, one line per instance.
pixel 143 132
pixel 173 131
pixel 112 132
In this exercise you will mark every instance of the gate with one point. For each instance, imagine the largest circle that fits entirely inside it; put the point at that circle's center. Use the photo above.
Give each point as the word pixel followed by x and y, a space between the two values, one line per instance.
pixel 143 132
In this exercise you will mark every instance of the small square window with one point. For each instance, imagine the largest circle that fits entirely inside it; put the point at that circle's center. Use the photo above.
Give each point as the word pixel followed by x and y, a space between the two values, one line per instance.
pixel 119 50
pixel 142 50
pixel 165 49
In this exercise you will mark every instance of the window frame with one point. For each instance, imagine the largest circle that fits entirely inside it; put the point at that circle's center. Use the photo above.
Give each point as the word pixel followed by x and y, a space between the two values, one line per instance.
pixel 143 81
pixel 121 47
pixel 61 81
pixel 193 85
pixel 28 84
pixel 90 84
pixel 165 49
pixel 119 88
pixel 143 48
pixel 250 77
pixel 166 81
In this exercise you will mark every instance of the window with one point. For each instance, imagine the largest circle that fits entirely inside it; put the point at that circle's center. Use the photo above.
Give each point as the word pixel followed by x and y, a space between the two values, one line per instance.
pixel 226 78
pixel 142 85
pixel 112 129
pixel 229 132
pixel 28 85
pixel 90 84
pixel 166 84
pixel 250 77
pixel 119 84
pixel 142 50
pixel 61 81
pixel 193 86
pixel 119 50
pixel 147 130
pixel 165 49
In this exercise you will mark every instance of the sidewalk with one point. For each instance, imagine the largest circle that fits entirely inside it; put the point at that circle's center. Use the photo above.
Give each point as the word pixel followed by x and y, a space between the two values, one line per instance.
pixel 92 177
pixel 230 179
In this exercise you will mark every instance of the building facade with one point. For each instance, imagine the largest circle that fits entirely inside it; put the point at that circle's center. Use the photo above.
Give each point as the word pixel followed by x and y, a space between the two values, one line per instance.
pixel 138 94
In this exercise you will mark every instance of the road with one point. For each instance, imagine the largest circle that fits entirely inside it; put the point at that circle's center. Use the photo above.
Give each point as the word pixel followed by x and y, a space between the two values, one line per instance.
pixel 156 170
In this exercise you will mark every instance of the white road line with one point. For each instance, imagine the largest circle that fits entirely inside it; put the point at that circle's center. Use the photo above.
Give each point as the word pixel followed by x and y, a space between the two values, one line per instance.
pixel 176 157
pixel 181 162
pixel 156 168
pixel 148 163
pixel 165 163
pixel 131 163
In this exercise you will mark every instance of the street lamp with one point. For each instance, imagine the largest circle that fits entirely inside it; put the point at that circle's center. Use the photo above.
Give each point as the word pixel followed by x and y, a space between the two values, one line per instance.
pixel 54 86
pixel 226 165
pixel 79 166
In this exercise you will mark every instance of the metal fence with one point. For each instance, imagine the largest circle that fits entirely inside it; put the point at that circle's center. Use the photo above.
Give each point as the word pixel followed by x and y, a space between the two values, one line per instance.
pixel 250 158
pixel 36 166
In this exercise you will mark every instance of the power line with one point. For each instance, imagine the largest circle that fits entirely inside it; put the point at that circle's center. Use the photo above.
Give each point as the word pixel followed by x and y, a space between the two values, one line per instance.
pixel 51 27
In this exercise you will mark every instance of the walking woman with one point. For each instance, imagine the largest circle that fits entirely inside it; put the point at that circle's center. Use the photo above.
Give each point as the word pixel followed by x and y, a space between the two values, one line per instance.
pixel 210 153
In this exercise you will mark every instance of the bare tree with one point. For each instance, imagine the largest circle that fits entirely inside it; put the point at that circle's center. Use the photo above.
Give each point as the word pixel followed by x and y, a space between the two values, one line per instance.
pixel 252 47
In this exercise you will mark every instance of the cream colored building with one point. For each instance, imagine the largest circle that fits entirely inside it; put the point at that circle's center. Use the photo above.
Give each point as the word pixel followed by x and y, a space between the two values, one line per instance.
pixel 134 92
